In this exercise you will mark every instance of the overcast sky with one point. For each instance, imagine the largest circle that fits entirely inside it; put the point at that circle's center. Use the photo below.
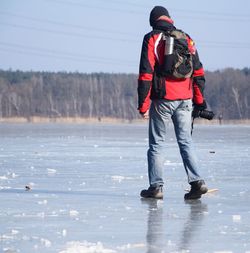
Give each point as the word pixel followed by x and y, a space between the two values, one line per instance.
pixel 106 35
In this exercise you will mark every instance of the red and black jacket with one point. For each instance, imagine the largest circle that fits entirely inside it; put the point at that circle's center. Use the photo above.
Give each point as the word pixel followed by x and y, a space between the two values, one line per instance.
pixel 152 54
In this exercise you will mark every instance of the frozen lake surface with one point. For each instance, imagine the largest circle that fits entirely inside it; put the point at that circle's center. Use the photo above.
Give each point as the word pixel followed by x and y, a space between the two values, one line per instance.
pixel 85 182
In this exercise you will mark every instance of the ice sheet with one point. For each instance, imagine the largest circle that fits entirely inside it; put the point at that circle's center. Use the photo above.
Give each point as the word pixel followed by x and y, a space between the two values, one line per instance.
pixel 75 188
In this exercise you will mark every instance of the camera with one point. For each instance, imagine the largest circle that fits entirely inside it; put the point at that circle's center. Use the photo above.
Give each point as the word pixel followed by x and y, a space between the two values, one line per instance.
pixel 203 114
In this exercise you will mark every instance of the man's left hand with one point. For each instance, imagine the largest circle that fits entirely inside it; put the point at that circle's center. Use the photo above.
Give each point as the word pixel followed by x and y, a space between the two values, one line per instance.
pixel 145 115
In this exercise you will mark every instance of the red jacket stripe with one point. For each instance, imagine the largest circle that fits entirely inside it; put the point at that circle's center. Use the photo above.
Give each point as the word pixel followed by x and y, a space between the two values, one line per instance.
pixel 146 104
pixel 145 77
pixel 198 72
pixel 198 97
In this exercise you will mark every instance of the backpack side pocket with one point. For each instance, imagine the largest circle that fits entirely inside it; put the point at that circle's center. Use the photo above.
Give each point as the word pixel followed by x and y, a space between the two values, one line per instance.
pixel 158 87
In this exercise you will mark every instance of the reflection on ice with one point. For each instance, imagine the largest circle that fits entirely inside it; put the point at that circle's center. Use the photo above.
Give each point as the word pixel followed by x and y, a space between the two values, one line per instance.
pixel 193 224
pixel 155 234
pixel 155 227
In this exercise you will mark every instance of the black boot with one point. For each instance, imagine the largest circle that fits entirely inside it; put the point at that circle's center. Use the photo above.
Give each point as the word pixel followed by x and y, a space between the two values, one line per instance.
pixel 152 192
pixel 197 189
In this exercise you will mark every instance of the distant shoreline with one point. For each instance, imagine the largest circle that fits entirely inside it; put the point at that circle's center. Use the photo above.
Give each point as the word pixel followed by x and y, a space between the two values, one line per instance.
pixel 82 120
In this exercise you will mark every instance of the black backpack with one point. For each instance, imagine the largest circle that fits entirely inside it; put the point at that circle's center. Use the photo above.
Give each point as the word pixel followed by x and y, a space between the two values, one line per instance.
pixel 178 62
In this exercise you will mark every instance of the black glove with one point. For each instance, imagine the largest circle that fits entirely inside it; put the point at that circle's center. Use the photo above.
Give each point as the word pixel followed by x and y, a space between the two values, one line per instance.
pixel 198 108
pixel 201 107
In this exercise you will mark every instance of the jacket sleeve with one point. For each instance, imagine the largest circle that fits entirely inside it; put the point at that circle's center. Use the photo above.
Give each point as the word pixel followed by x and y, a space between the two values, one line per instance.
pixel 146 70
pixel 198 81
pixel 198 75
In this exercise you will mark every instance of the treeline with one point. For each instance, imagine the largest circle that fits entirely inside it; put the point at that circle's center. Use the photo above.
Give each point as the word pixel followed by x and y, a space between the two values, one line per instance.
pixel 98 95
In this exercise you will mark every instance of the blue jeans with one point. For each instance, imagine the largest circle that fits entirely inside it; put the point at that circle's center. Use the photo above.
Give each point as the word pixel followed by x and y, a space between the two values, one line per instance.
pixel 161 111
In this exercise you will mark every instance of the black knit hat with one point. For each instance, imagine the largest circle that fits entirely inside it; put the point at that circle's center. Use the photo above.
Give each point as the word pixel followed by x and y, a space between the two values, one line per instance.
pixel 156 12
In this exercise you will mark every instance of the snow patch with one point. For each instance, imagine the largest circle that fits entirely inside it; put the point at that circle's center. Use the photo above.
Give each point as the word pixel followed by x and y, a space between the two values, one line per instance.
pixel 5 187
pixel 43 202
pixel 9 175
pixel 7 250
pixel 86 247
pixel 131 246
pixel 6 237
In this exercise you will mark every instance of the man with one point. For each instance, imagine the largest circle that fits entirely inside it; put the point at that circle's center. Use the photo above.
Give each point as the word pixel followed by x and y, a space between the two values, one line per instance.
pixel 171 98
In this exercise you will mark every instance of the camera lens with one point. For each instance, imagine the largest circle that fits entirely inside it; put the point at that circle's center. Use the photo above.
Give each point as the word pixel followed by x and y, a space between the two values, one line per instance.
pixel 206 114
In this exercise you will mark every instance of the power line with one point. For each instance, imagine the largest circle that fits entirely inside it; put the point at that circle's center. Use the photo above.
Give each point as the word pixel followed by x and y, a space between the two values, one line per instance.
pixel 78 4
pixel 225 44
pixel 113 32
pixel 114 38
pixel 89 29
pixel 62 54
pixel 209 13
pixel 66 33
pixel 16 51
pixel 174 9
pixel 70 54
pixel 125 3
pixel 56 54
pixel 131 67
pixel 211 19
pixel 227 16
pixel 53 22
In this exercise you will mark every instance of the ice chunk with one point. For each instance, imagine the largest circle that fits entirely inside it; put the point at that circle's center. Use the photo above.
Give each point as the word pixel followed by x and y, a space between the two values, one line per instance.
pixel 51 171
pixel 73 213
pixel 223 251
pixel 12 174
pixel 14 232
pixel 236 218
pixel 64 232
pixel 45 242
